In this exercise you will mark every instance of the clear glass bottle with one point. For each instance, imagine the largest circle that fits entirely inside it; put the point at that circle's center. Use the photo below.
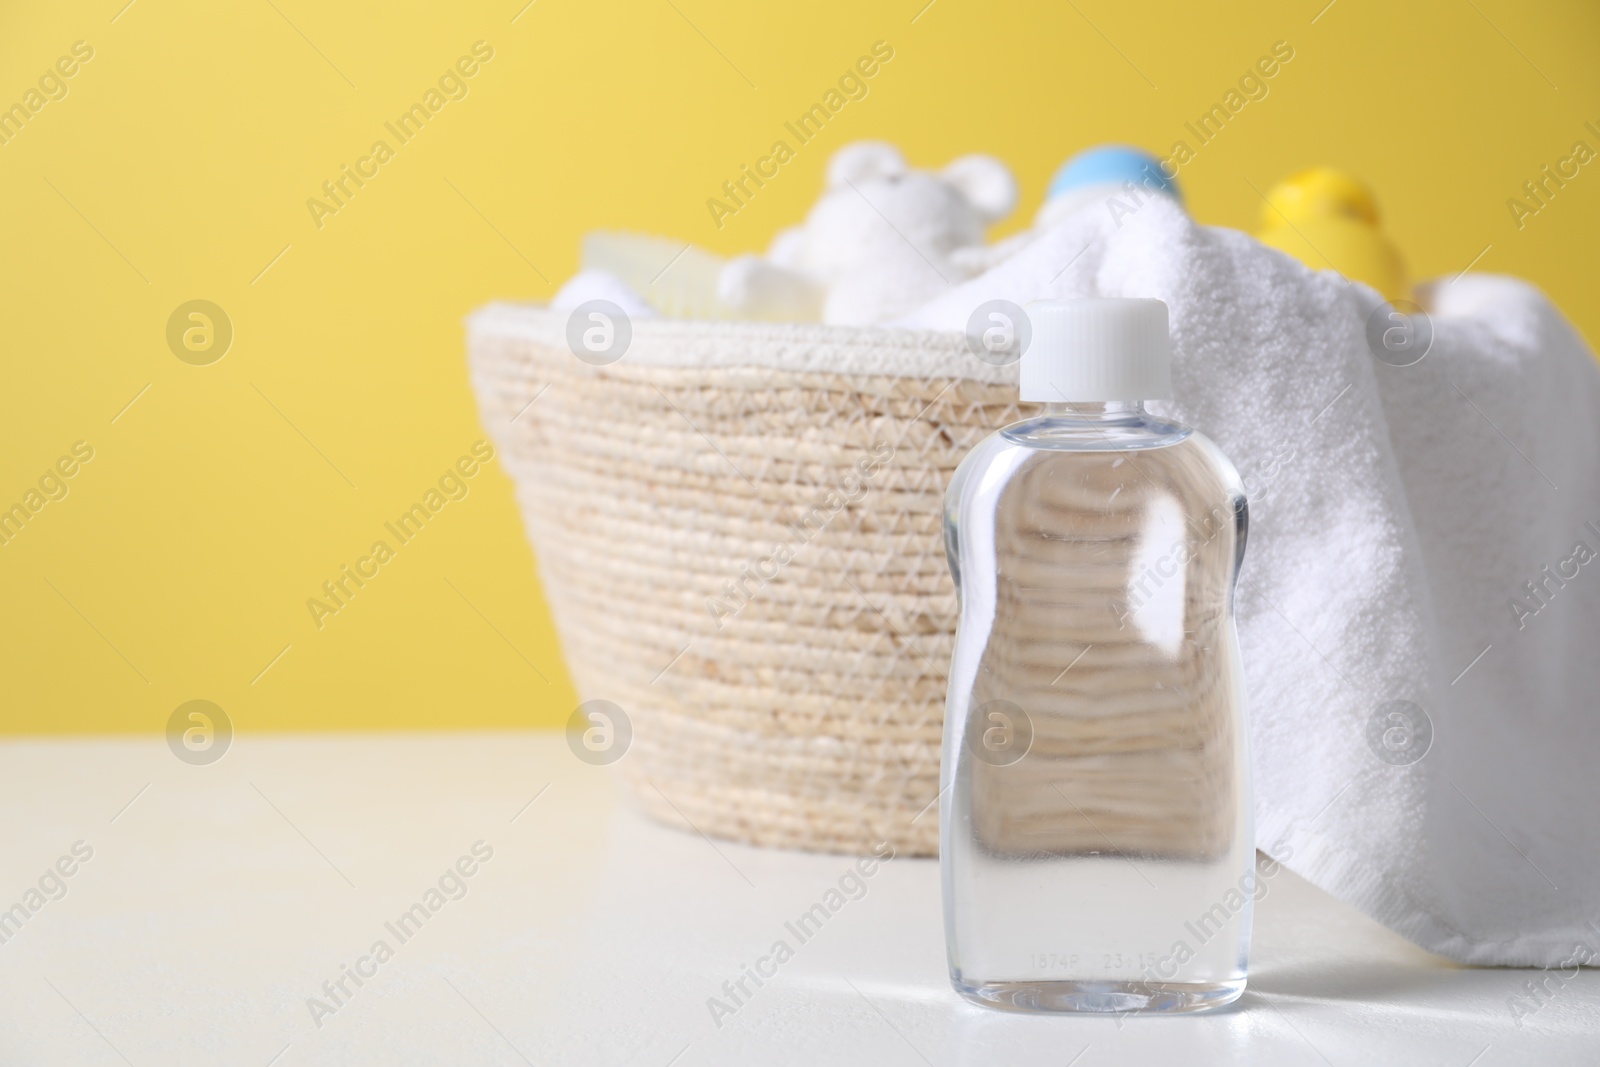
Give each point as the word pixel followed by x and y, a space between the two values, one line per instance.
pixel 1097 848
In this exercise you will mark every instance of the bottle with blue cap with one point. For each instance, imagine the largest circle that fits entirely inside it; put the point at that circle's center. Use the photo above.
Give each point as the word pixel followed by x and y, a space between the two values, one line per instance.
pixel 1096 845
pixel 1097 175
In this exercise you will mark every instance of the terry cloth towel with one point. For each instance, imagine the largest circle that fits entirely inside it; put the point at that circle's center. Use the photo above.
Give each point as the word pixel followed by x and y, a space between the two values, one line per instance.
pixel 1419 606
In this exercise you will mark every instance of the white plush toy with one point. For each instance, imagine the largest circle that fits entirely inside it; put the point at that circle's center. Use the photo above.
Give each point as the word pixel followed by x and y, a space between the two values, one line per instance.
pixel 883 240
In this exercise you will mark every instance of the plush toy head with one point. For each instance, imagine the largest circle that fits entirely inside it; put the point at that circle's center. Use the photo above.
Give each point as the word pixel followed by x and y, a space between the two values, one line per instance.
pixel 883 240
pixel 875 205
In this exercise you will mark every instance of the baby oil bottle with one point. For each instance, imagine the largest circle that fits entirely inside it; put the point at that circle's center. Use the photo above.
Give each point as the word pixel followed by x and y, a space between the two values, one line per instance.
pixel 1096 844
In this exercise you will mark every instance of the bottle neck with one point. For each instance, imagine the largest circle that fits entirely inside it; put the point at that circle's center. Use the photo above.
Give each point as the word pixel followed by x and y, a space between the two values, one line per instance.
pixel 1120 425
pixel 1105 411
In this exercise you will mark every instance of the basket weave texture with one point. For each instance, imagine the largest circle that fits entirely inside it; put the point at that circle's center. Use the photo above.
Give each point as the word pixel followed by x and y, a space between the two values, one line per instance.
pixel 749 561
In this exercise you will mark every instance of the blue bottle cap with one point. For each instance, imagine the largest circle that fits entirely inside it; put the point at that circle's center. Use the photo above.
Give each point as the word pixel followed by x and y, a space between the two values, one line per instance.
pixel 1113 164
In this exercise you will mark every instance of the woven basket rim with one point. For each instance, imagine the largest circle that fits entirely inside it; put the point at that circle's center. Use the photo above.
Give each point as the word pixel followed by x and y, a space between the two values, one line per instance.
pixel 797 347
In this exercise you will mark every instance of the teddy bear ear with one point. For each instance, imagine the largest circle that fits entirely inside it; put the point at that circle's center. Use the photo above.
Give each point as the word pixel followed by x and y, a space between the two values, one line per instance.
pixel 986 182
pixel 864 161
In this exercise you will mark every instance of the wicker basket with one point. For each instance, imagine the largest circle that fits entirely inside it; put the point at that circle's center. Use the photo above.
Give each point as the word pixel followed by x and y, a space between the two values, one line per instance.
pixel 740 536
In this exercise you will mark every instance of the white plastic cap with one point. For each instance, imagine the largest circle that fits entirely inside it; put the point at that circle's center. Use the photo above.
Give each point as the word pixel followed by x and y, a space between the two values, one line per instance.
pixel 1089 351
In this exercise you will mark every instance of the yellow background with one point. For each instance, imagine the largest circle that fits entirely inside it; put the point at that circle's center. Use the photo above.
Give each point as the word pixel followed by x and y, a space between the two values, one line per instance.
pixel 180 163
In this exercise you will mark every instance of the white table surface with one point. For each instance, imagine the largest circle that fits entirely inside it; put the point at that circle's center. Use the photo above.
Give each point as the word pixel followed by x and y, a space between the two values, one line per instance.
pixel 222 897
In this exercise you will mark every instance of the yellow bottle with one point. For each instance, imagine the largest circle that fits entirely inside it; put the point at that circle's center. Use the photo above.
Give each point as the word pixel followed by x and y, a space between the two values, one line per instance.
pixel 1325 218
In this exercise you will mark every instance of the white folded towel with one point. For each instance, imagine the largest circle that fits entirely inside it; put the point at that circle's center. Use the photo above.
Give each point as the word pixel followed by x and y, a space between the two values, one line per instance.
pixel 1396 517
